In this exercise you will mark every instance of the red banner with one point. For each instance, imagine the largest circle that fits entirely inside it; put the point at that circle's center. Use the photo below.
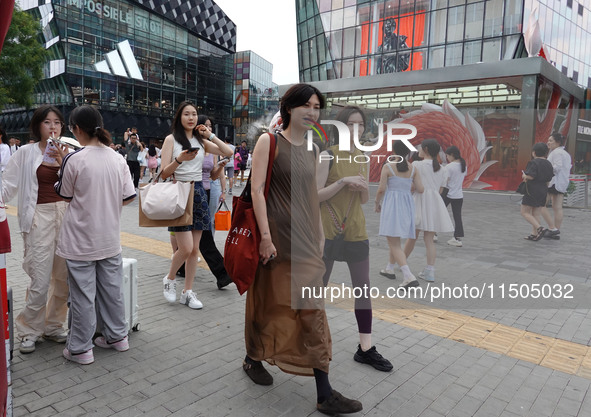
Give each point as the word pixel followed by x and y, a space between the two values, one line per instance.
pixel 6 7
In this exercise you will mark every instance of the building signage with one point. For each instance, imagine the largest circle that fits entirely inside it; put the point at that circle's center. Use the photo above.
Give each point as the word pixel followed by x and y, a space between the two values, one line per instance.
pixel 584 130
pixel 106 10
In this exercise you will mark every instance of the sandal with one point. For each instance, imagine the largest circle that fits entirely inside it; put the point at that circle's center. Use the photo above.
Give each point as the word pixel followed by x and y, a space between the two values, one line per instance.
pixel 540 233
pixel 257 372
pixel 530 237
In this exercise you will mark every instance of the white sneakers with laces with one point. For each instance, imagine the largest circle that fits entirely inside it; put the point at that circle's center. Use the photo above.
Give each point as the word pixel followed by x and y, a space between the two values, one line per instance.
pixel 455 242
pixel 169 289
pixel 189 298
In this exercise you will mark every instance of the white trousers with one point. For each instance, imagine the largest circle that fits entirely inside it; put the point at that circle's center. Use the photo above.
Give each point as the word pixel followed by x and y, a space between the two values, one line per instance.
pixel 47 294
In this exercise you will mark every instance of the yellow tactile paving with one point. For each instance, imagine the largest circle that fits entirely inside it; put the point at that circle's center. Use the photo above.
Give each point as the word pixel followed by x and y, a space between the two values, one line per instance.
pixel 568 357
pixel 564 356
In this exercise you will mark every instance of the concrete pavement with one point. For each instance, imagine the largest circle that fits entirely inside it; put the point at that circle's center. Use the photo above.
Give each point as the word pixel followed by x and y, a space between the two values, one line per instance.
pixel 470 357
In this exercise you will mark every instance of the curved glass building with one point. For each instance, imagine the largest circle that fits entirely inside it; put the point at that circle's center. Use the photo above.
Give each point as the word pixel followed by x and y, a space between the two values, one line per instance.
pixel 135 60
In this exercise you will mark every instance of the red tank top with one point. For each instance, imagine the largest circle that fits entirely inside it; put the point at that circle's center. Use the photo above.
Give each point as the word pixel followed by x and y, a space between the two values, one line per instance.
pixel 47 177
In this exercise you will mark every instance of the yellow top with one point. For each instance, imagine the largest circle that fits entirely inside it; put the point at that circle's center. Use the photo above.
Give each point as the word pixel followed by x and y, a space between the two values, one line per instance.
pixel 344 165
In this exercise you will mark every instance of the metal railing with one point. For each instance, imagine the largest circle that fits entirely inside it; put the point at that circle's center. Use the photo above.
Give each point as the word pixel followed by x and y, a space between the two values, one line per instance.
pixel 579 197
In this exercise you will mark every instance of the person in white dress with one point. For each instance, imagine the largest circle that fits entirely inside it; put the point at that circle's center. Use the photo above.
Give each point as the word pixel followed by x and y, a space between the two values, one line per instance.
pixel 561 164
pixel 431 215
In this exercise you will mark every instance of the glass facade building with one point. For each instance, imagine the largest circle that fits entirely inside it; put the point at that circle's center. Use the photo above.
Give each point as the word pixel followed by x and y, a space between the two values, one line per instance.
pixel 135 60
pixel 351 38
pixel 255 96
pixel 455 69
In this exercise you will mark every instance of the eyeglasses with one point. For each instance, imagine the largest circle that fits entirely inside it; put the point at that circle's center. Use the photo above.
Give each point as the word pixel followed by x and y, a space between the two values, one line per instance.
pixel 49 123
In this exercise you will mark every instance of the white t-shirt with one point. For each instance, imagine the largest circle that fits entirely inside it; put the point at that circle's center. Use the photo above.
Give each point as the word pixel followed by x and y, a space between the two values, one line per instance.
pixel 455 179
pixel 97 181
pixel 561 163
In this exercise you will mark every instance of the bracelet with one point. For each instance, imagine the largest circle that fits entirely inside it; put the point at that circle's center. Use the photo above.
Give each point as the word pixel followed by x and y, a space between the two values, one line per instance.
pixel 177 161
pixel 211 136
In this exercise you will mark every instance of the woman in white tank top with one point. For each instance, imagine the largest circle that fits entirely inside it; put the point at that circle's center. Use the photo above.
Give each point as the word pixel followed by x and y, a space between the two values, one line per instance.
pixel 182 155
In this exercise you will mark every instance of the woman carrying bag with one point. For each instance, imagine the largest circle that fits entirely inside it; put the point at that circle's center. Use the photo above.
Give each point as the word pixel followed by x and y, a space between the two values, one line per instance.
pixel 182 155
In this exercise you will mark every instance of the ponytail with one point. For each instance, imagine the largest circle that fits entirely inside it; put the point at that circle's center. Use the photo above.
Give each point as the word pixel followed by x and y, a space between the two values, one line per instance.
pixel 103 136
pixel 431 147
pixel 455 152
pixel 89 120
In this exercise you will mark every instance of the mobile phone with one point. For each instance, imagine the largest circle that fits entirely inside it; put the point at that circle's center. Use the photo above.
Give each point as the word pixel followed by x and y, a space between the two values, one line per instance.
pixel 223 160
pixel 46 157
pixel 194 149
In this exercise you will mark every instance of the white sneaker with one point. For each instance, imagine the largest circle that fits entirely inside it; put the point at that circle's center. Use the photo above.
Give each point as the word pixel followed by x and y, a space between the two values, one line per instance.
pixel 28 344
pixel 427 275
pixel 435 238
pixel 388 273
pixel 189 298
pixel 455 242
pixel 169 289
pixel 411 281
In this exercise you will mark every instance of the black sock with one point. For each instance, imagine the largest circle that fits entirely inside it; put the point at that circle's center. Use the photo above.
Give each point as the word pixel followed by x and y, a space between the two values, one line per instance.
pixel 250 361
pixel 323 388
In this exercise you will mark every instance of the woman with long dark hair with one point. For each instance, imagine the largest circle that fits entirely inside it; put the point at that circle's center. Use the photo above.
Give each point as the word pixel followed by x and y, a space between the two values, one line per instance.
pixel 296 337
pixel 455 172
pixel 97 183
pixel 40 213
pixel 432 216
pixel 342 190
pixel 182 155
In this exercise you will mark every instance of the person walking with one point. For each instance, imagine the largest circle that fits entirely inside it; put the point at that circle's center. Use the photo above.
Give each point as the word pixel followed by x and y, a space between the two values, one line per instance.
pixel 396 206
pixel 97 183
pixel 244 154
pixel 133 147
pixel 40 214
pixel 432 216
pixel 207 246
pixel 295 338
pixel 229 167
pixel 342 190
pixel 182 155
pixel 537 175
pixel 561 166
pixel 152 161
pixel 142 159
pixel 455 172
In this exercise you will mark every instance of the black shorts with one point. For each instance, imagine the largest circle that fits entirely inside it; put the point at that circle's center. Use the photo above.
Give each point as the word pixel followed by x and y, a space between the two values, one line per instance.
pixel 242 167
pixel 553 190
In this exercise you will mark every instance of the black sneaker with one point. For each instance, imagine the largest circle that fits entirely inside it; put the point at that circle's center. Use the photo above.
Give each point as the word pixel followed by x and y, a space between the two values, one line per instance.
pixel 373 358
pixel 552 234
pixel 337 404
pixel 223 281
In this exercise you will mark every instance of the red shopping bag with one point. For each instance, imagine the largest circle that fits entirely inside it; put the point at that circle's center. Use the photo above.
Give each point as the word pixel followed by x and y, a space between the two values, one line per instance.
pixel 241 252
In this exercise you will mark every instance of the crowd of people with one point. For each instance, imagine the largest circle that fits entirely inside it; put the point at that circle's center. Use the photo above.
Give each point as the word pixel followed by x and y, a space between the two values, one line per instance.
pixel 70 202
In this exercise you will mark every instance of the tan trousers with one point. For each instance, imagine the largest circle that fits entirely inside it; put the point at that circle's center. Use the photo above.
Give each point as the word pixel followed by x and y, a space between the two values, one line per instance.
pixel 47 294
